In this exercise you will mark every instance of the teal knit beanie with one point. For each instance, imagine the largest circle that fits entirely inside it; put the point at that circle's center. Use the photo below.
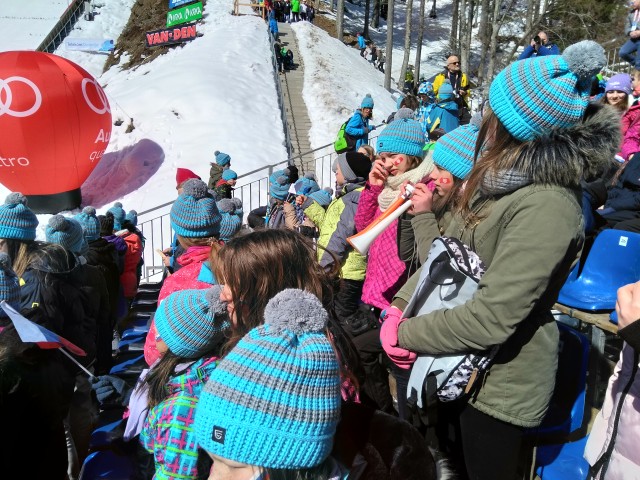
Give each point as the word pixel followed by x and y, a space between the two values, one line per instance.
pixel 66 232
pixel 230 223
pixel 367 101
pixel 89 223
pixel 455 151
pixel 274 400
pixel 222 159
pixel 445 92
pixel 192 322
pixel 306 184
pixel 17 221
pixel 532 96
pixel 195 214
pixel 118 215
pixel 401 136
pixel 323 197
pixel 132 217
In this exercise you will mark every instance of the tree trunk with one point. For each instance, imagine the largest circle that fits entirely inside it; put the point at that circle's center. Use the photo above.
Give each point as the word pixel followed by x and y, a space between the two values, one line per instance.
pixel 407 44
pixel 365 30
pixel 466 23
pixel 453 38
pixel 375 18
pixel 494 40
pixel 420 39
pixel 483 35
pixel 340 20
pixel 389 49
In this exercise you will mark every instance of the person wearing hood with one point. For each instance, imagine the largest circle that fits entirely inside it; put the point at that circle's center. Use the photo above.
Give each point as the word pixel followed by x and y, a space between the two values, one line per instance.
pixel 443 113
pixel 335 222
pixel 520 212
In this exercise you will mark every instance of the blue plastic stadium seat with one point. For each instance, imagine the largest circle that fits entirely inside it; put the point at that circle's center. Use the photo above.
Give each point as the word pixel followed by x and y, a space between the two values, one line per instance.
pixel 562 462
pixel 566 410
pixel 613 261
pixel 107 464
pixel 131 366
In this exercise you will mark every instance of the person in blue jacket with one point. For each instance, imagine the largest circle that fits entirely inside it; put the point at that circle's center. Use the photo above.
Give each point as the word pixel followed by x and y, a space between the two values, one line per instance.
pixel 362 44
pixel 444 113
pixel 539 47
pixel 358 126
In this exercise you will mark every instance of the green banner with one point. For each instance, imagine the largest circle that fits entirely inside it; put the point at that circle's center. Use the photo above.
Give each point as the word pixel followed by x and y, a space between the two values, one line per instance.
pixel 185 14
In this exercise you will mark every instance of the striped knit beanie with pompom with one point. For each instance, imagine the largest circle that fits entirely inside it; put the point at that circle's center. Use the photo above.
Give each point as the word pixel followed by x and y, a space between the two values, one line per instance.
pixel 17 221
pixel 89 223
pixel 66 232
pixel 195 214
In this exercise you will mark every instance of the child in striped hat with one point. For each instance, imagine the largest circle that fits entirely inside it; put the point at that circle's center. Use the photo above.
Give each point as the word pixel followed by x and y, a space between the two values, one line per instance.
pixel 191 327
pixel 273 403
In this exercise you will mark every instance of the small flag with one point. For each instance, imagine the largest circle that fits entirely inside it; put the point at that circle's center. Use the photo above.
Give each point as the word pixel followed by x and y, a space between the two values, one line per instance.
pixel 34 333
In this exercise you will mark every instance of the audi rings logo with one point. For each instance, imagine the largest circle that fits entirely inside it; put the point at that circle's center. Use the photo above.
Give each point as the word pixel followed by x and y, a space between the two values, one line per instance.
pixel 103 97
pixel 7 94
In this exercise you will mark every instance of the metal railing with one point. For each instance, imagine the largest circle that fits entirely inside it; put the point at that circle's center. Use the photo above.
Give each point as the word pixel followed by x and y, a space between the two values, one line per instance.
pixel 62 28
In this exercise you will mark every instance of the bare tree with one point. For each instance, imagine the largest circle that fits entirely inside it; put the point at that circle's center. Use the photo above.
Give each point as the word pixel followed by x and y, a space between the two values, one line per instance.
pixel 420 39
pixel 493 44
pixel 453 38
pixel 389 48
pixel 483 36
pixel 466 26
pixel 375 18
pixel 365 30
pixel 407 44
pixel 340 20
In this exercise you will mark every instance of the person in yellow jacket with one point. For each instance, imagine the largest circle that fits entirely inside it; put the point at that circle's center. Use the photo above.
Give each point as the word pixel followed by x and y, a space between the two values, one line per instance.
pixel 458 80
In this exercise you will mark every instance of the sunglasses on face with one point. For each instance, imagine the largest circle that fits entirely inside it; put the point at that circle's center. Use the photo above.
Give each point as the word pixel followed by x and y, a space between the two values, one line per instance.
pixel 454 63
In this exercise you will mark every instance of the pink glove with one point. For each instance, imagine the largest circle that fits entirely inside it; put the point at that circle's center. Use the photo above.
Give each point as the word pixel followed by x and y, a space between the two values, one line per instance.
pixel 389 337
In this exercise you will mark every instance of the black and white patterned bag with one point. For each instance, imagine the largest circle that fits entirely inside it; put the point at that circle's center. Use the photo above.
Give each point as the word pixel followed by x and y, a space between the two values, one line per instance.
pixel 449 278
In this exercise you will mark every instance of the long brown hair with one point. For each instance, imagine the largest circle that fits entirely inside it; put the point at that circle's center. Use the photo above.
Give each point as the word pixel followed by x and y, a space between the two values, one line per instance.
pixel 495 150
pixel 262 263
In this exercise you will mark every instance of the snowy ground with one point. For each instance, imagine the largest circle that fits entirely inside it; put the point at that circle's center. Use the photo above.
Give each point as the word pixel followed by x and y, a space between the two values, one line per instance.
pixel 215 93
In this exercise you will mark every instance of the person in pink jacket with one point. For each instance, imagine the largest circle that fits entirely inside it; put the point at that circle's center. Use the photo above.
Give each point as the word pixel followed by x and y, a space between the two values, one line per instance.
pixel 196 220
pixel 400 149
pixel 612 449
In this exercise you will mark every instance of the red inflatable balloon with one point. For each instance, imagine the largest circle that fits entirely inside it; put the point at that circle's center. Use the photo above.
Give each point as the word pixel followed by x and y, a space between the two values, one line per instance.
pixel 55 124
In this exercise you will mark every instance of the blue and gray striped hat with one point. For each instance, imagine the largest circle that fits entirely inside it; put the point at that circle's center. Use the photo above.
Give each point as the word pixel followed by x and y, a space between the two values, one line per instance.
pixel 455 151
pixel 192 322
pixel 274 400
pixel 401 136
pixel 89 223
pixel 195 214
pixel 230 223
pixel 17 221
pixel 66 232
pixel 9 284
pixel 532 96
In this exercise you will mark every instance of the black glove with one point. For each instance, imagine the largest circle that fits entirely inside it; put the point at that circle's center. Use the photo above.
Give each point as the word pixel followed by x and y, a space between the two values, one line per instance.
pixel 108 388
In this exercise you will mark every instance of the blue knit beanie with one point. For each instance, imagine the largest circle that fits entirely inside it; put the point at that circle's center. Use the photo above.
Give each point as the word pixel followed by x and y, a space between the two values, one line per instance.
pixel 532 96
pixel 66 232
pixel 17 221
pixel 238 204
pixel 222 159
pixel 89 223
pixel 118 215
pixel 9 284
pixel 132 216
pixel 194 214
pixel 192 322
pixel 306 184
pixel 323 197
pixel 455 151
pixel 280 188
pixel 401 136
pixel 274 400
pixel 620 82
pixel 445 92
pixel 229 174
pixel 230 223
pixel 367 101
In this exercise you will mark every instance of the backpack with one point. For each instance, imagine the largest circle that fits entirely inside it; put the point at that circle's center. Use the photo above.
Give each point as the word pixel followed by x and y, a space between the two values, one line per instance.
pixel 344 142
pixel 449 278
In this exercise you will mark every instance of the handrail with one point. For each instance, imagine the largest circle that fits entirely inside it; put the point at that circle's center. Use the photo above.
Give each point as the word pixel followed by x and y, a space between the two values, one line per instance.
pixel 62 28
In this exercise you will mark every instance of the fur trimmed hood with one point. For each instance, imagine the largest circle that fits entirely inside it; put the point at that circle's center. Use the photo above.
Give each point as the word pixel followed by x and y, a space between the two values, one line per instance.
pixel 564 156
